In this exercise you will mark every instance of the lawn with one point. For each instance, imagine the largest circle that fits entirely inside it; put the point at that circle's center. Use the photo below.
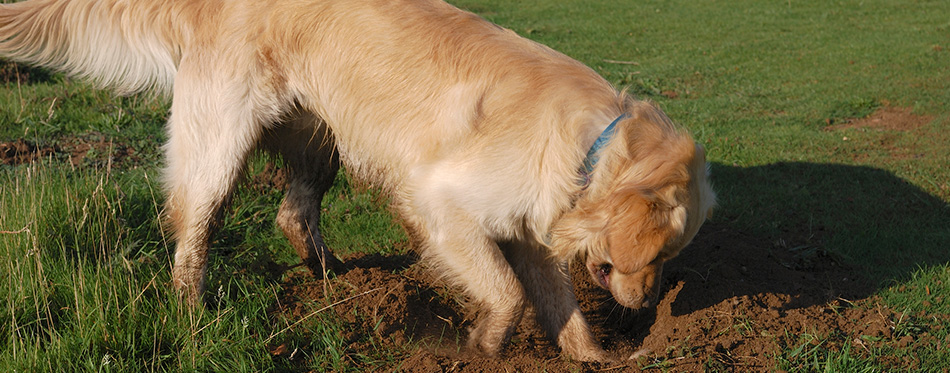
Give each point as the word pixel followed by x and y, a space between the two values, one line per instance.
pixel 826 125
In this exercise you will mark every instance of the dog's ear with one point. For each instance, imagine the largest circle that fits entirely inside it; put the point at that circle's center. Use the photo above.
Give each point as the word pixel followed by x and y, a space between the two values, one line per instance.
pixel 579 230
pixel 640 226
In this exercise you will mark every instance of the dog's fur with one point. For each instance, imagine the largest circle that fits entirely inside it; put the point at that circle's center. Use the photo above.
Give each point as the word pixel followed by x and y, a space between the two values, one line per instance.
pixel 475 133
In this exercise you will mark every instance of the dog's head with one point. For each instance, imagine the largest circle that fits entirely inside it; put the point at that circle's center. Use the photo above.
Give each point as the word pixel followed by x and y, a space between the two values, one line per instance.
pixel 648 197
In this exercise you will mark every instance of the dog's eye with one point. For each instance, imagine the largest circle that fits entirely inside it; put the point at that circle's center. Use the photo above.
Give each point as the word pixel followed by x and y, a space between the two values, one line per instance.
pixel 603 275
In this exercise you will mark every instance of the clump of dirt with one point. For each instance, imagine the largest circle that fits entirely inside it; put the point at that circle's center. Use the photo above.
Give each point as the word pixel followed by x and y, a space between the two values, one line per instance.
pixel 887 118
pixel 91 149
pixel 97 150
pixel 730 301
pixel 20 151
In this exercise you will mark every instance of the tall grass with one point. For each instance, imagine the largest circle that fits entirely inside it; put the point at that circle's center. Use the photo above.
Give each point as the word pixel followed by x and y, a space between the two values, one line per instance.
pixel 85 283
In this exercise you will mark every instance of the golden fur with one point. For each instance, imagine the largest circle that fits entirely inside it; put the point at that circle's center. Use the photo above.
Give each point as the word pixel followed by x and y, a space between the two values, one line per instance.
pixel 475 133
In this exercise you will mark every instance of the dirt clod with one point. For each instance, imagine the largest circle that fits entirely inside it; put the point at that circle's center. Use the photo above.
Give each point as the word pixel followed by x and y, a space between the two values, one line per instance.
pixel 22 151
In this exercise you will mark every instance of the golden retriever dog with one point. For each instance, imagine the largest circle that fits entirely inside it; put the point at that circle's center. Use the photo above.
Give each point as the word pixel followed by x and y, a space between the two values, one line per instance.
pixel 504 159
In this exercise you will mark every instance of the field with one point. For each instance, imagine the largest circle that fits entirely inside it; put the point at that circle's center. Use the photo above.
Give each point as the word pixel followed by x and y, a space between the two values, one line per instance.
pixel 828 131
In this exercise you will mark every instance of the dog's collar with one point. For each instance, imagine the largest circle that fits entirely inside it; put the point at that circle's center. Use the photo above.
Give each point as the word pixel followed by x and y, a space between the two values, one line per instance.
pixel 593 154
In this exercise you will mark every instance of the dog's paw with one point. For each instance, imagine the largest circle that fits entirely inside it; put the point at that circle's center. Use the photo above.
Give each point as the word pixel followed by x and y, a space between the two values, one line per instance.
pixel 479 342
pixel 594 355
pixel 330 266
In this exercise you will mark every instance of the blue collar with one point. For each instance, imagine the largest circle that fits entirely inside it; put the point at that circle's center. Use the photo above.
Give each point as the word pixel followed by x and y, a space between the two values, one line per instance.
pixel 592 154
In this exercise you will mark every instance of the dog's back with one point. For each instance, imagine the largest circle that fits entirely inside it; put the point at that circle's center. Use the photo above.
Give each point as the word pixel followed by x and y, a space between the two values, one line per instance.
pixel 419 79
pixel 448 74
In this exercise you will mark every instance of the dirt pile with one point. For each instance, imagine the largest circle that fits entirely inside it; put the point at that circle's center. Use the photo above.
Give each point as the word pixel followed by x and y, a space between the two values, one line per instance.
pixel 730 302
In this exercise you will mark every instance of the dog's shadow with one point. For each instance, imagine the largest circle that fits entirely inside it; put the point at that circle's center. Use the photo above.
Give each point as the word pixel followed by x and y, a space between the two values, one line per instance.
pixel 814 232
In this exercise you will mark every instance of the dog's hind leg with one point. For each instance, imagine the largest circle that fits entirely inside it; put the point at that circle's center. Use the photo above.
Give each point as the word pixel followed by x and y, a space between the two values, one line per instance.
pixel 548 287
pixel 311 161
pixel 212 130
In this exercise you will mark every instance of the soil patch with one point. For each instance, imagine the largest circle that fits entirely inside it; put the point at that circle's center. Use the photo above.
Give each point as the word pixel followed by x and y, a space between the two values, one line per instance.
pixel 887 118
pixel 730 301
pixel 21 151
pixel 270 178
pixel 87 150
pixel 891 124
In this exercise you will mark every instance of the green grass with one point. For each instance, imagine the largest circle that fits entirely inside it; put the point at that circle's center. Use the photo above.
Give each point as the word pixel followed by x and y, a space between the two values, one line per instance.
pixel 85 264
pixel 86 282
pixel 87 279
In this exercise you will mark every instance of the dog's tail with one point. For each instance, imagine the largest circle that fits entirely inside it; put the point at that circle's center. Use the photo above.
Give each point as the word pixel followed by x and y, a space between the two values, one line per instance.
pixel 127 45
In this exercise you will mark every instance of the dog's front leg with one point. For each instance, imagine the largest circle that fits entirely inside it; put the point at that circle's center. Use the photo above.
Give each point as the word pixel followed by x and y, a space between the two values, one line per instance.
pixel 467 256
pixel 548 287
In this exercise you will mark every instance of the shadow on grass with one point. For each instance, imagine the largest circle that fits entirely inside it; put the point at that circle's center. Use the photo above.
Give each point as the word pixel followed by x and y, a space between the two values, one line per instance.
pixel 815 232
pixel 11 72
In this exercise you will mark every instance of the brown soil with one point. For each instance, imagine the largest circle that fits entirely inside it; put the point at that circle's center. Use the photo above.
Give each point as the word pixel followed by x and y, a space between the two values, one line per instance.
pixel 890 124
pixel 21 151
pixel 887 118
pixel 730 302
pixel 91 149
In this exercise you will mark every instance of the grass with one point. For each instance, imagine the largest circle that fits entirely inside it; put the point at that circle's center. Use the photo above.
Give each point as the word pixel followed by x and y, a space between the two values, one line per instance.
pixel 86 281
pixel 87 285
pixel 85 263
